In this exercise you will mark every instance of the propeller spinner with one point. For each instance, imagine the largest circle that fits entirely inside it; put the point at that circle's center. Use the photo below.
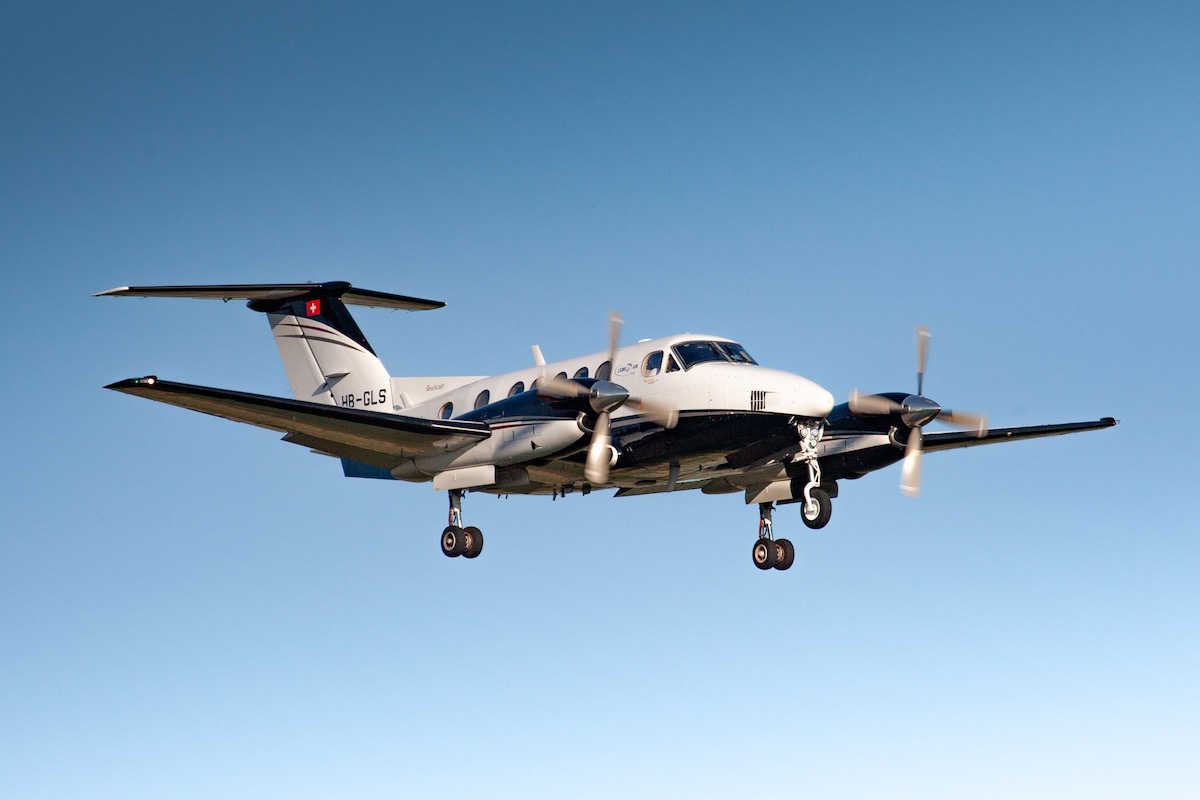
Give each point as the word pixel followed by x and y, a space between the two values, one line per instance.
pixel 914 412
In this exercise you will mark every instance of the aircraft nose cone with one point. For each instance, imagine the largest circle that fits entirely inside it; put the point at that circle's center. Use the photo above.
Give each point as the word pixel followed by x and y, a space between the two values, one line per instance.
pixel 607 396
pixel 811 399
pixel 826 401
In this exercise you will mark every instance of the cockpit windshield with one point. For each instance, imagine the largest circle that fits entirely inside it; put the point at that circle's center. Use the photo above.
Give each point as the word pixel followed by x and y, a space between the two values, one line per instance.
pixel 736 353
pixel 693 353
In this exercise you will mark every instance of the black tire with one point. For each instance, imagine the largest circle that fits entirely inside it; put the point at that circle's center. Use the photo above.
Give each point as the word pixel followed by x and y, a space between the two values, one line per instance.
pixel 453 541
pixel 763 554
pixel 785 554
pixel 474 542
pixel 824 509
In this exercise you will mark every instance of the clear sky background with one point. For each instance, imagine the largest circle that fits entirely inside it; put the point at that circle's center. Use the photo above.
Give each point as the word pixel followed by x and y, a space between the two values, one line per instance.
pixel 190 608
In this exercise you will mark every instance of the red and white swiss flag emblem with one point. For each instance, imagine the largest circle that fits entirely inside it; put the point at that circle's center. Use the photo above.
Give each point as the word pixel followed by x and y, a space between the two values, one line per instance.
pixel 312 308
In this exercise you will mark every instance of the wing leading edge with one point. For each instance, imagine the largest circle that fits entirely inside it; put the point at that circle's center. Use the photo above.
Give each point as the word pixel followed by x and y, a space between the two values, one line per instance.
pixel 382 440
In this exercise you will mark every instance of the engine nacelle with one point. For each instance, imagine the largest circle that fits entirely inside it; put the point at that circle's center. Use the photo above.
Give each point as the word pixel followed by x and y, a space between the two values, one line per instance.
pixel 525 427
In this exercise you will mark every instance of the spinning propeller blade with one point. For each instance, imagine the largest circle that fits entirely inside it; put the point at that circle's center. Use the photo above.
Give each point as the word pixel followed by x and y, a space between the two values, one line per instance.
pixel 923 337
pixel 873 404
pixel 965 419
pixel 914 413
pixel 561 388
pixel 614 336
pixel 910 471
pixel 663 415
pixel 599 454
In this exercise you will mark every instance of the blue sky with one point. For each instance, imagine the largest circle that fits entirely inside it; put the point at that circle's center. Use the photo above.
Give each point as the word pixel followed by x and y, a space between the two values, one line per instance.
pixel 189 607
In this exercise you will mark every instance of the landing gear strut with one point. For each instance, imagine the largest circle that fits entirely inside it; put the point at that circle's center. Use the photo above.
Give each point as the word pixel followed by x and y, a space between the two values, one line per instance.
pixel 768 551
pixel 457 540
pixel 817 505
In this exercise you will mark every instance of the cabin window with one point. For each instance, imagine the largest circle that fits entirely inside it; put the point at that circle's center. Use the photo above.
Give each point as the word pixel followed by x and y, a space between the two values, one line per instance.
pixel 604 371
pixel 446 411
pixel 537 383
pixel 652 364
pixel 562 376
pixel 516 389
pixel 483 399
pixel 582 372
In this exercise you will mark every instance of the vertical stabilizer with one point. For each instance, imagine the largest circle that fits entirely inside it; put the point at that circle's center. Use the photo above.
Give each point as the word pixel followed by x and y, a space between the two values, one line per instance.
pixel 326 356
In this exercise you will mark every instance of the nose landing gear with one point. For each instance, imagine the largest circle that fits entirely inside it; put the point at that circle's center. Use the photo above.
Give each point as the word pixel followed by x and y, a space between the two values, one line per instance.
pixel 817 509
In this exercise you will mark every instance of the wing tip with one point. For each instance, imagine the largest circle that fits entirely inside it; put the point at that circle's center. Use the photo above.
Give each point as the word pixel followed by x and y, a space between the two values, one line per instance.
pixel 129 384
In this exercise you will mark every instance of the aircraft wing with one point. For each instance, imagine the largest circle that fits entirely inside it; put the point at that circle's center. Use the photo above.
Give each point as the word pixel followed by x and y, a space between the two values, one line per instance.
pixel 953 439
pixel 383 440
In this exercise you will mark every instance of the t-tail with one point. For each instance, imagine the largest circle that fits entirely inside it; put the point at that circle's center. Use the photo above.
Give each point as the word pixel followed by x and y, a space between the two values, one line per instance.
pixel 325 355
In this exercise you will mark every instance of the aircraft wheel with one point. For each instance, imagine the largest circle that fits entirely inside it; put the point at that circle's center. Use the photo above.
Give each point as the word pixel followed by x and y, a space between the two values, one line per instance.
pixel 818 517
pixel 453 541
pixel 785 554
pixel 764 553
pixel 474 542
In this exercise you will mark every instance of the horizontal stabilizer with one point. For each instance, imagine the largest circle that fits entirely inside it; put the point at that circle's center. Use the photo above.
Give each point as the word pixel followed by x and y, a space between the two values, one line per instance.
pixel 383 440
pixel 280 292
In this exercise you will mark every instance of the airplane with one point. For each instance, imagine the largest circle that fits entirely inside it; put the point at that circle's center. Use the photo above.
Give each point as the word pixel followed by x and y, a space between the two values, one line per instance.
pixel 678 413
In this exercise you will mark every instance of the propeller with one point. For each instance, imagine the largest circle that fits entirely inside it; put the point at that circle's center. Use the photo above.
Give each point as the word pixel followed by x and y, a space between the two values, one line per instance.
pixel 604 397
pixel 599 453
pixel 914 412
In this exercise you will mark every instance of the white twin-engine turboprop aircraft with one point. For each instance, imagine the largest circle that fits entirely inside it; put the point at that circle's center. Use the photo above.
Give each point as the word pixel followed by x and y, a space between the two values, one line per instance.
pixel 662 415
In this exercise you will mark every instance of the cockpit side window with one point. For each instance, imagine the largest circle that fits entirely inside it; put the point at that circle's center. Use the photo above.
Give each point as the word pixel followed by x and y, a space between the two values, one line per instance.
pixel 672 364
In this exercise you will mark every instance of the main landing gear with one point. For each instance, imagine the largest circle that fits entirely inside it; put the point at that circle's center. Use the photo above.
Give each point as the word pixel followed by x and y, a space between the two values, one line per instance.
pixel 768 551
pixel 457 540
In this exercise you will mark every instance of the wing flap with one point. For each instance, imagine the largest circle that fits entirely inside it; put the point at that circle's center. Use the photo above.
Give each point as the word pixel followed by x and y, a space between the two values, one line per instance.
pixel 386 439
